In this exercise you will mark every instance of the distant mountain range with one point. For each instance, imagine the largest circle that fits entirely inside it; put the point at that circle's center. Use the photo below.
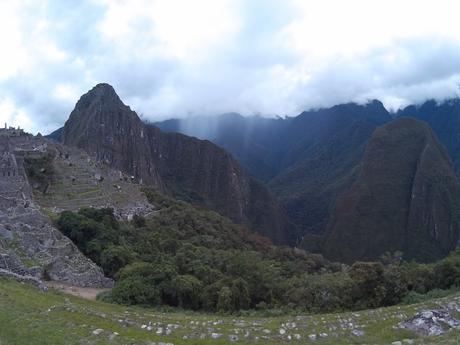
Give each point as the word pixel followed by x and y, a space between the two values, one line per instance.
pixel 310 162
pixel 306 161
pixel 351 181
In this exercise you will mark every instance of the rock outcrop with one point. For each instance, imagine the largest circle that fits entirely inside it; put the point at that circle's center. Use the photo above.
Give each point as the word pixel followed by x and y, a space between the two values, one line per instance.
pixel 405 198
pixel 191 169
pixel 29 244
pixel 431 322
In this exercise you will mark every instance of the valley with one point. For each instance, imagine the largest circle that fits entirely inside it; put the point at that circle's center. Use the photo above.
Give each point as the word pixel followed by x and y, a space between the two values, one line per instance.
pixel 179 172
pixel 179 226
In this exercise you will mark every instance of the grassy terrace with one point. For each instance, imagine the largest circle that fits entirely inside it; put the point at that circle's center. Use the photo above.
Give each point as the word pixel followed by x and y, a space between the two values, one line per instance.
pixel 28 316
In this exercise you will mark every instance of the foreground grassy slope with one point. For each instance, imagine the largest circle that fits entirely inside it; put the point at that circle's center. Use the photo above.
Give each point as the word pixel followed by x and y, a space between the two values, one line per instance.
pixel 28 316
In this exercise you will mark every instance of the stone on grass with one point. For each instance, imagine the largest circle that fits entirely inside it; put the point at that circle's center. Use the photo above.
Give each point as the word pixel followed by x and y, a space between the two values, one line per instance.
pixel 357 332
pixel 431 322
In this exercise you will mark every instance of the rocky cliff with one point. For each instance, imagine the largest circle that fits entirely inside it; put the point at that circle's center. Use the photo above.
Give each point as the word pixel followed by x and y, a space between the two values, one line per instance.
pixel 444 119
pixel 189 168
pixel 406 198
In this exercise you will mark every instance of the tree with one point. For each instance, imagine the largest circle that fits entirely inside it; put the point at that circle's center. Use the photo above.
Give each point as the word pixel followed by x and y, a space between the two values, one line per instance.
pixel 149 279
pixel 113 258
pixel 447 271
pixel 224 301
pixel 240 294
pixel 187 290
pixel 368 277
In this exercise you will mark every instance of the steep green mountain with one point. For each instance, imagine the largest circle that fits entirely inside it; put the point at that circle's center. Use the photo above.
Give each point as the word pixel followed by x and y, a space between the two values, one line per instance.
pixel 322 150
pixel 254 141
pixel 306 160
pixel 188 168
pixel 406 198
pixel 444 119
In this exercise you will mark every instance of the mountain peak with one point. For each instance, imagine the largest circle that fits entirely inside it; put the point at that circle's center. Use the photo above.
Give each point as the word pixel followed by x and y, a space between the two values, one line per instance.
pixel 403 199
pixel 102 93
pixel 99 112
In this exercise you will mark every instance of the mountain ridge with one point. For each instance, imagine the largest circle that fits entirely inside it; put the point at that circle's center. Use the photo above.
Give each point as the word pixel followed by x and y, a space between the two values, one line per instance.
pixel 189 168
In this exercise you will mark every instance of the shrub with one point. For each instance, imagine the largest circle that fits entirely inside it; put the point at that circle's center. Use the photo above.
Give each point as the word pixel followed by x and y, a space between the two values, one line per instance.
pixel 113 258
pixel 224 301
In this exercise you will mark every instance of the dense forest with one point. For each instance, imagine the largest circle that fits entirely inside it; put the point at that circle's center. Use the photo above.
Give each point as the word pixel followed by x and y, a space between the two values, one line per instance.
pixel 192 258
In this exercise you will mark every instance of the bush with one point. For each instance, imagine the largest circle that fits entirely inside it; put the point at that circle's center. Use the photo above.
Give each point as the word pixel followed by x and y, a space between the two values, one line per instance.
pixel 113 258
pixel 144 283
pixel 447 271
pixel 187 291
pixel 225 300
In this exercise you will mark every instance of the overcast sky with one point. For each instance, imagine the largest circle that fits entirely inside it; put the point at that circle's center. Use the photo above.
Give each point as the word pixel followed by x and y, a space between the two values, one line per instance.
pixel 172 58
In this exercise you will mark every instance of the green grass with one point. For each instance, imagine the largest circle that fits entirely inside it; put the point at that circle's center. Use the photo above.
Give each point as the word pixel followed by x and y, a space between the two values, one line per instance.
pixel 29 316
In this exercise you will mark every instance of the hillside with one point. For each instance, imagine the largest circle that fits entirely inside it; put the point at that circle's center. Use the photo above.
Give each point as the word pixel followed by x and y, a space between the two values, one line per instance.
pixel 190 169
pixel 31 317
pixel 306 160
pixel 405 198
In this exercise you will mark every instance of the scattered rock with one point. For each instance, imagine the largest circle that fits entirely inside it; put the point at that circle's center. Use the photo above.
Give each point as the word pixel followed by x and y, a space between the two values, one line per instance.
pixel 431 322
pixel 233 337
pixel 357 332
pixel 98 331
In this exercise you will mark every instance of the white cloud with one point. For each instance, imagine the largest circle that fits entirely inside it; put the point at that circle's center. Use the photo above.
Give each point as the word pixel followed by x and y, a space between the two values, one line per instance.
pixel 177 57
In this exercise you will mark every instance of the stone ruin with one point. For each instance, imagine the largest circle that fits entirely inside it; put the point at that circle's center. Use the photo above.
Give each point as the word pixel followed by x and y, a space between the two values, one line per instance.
pixel 29 244
pixel 11 132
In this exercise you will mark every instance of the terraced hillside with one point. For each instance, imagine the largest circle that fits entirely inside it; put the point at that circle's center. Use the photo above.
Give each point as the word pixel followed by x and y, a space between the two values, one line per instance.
pixel 78 181
pixel 29 316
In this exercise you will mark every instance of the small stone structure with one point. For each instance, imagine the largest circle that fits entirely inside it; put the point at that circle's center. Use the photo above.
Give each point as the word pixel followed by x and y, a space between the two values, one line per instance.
pixel 11 132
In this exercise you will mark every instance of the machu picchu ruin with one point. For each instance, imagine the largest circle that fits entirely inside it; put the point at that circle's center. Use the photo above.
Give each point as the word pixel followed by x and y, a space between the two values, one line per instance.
pixel 39 177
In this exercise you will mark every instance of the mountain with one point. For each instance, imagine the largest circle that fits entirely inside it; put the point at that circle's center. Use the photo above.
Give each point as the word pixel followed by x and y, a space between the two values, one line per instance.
pixel 55 135
pixel 306 160
pixel 406 198
pixel 444 119
pixel 321 152
pixel 255 141
pixel 191 169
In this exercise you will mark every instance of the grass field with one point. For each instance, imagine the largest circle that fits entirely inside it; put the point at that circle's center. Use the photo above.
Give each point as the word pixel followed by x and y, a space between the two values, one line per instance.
pixel 29 316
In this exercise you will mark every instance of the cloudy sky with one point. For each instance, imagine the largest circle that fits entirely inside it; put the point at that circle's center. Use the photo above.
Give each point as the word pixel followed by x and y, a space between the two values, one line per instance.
pixel 173 58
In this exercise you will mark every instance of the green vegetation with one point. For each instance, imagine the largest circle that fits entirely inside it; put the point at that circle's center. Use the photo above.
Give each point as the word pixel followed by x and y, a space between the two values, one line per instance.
pixel 195 259
pixel 31 317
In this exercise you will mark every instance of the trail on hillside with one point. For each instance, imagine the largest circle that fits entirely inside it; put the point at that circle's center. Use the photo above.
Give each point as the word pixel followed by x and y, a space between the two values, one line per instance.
pixel 83 292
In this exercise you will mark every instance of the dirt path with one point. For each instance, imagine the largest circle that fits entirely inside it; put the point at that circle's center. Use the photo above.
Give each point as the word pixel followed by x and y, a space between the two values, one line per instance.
pixel 83 292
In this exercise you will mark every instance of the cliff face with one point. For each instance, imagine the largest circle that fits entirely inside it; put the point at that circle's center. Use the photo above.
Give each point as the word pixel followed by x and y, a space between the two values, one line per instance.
pixel 444 119
pixel 191 169
pixel 405 198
